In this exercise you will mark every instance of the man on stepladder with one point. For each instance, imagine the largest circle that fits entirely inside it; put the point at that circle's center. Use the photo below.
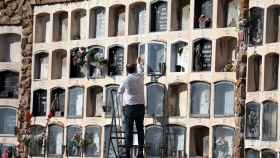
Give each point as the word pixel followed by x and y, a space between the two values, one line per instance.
pixel 132 90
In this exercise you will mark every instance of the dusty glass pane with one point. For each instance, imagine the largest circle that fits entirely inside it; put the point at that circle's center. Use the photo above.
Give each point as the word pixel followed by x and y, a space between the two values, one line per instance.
pixel 200 98
pixel 256 26
pixel 74 134
pixel 154 138
pixel 155 99
pixel 39 102
pixel 55 140
pixel 176 137
pixel 250 153
pixel 116 60
pixel 179 57
pixel 156 58
pixel 270 113
pixel 223 142
pixel 113 100
pixel 253 120
pixel 9 84
pixel 7 121
pixel 224 99
pixel 36 143
pixel 92 137
pixel 76 102
pixel 269 154
pixel 109 152
pixel 159 16
pixel 58 101
pixel 100 22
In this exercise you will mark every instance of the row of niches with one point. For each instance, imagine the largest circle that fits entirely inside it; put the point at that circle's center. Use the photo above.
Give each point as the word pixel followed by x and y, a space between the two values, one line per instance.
pixel 96 18
pixel 160 100
pixel 171 139
pixel 263 71
pixel 93 62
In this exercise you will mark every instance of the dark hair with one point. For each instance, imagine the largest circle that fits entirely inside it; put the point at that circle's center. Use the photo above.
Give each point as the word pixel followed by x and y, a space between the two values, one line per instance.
pixel 131 68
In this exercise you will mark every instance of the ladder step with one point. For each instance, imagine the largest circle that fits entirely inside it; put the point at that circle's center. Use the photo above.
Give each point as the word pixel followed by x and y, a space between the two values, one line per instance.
pixel 118 137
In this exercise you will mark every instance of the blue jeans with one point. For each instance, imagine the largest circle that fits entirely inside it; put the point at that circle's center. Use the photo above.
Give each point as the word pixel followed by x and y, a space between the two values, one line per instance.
pixel 134 113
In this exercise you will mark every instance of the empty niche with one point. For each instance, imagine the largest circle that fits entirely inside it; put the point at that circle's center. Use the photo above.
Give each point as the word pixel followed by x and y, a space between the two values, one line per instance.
pixel 36 145
pixel 75 102
pixel 8 121
pixel 9 84
pixel 154 140
pixel 57 101
pixel 269 122
pixel 256 26
pixel 177 93
pixel 137 18
pixel 224 99
pixel 254 72
pixel 96 63
pixel 73 134
pixel 225 52
pixel 272 24
pixel 158 17
pixel 10 47
pixel 180 15
pixel 41 66
pixel 202 54
pixel 59 64
pixel 200 99
pixel 78 22
pixel 135 50
pixel 156 58
pixel 116 60
pixel 39 102
pixel 228 13
pixel 94 101
pixel 97 22
pixel 179 57
pixel 203 14
pixel 252 120
pixel 155 99
pixel 251 153
pixel 271 71
pixel 55 145
pixel 268 153
pixel 60 26
pixel 176 138
pixel 42 27
pixel 223 141
pixel 199 143
pixel 117 20
pixel 112 101
pixel 93 134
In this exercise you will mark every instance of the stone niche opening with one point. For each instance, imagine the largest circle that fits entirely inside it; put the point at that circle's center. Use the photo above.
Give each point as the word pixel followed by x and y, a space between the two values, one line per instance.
pixel 39 102
pixel 41 66
pixel 253 120
pixel 200 99
pixel 254 73
pixel 180 15
pixel 78 23
pixel 268 153
pixel 57 101
pixel 9 84
pixel 271 68
pixel 93 133
pixel 158 17
pixel 228 13
pixel 10 47
pixel 137 18
pixel 177 92
pixel 77 66
pixel 179 57
pixel 36 145
pixel 225 54
pixel 176 138
pixel 156 58
pixel 117 20
pixel 116 61
pixel 154 140
pixel 269 121
pixel 8 121
pixel 94 101
pixel 256 22
pixel 75 102
pixel 252 153
pixel 202 54
pixel 199 143
pixel 223 141
pixel 59 64
pixel 55 140
pixel 42 27
pixel 272 24
pixel 96 65
pixel 97 22
pixel 135 50
pixel 203 14
pixel 112 99
pixel 60 26
pixel 72 150
pixel 155 99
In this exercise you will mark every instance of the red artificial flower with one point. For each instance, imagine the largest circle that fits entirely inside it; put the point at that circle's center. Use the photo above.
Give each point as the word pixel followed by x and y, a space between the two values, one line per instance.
pixel 50 115
pixel 28 116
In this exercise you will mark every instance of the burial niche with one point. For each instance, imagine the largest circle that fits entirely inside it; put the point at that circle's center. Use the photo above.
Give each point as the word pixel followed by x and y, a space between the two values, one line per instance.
pixel 116 60
pixel 10 44
pixel 156 58
pixel 59 64
pixel 223 141
pixel 94 101
pixel 252 120
pixel 78 20
pixel 177 92
pixel 271 69
pixel 107 147
pixel 96 63
pixel 92 134
pixel 39 102
pixel 155 99
pixel 179 57
pixel 57 102
pixel 251 153
pixel 158 18
pixel 60 26
pixel 97 22
pixel 55 140
pixel 268 153
pixel 180 15
pixel 77 62
pixel 154 140
pixel 203 14
pixel 254 72
pixel 8 121
pixel 41 66
pixel 202 54
pixel 135 50
pixel 256 26
pixel 75 102
pixel 42 27
pixel 200 99
pixel 176 137
pixel 112 101
pixel 199 143
pixel 272 24
pixel 137 18
pixel 36 142
pixel 269 121
pixel 228 13
pixel 9 84
pixel 117 20
pixel 74 135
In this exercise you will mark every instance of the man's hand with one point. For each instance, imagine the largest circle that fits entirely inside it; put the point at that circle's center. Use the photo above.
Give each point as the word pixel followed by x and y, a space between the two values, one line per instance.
pixel 140 61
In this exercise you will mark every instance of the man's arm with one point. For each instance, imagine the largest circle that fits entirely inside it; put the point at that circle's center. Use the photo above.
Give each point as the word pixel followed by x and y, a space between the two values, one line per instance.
pixel 140 65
